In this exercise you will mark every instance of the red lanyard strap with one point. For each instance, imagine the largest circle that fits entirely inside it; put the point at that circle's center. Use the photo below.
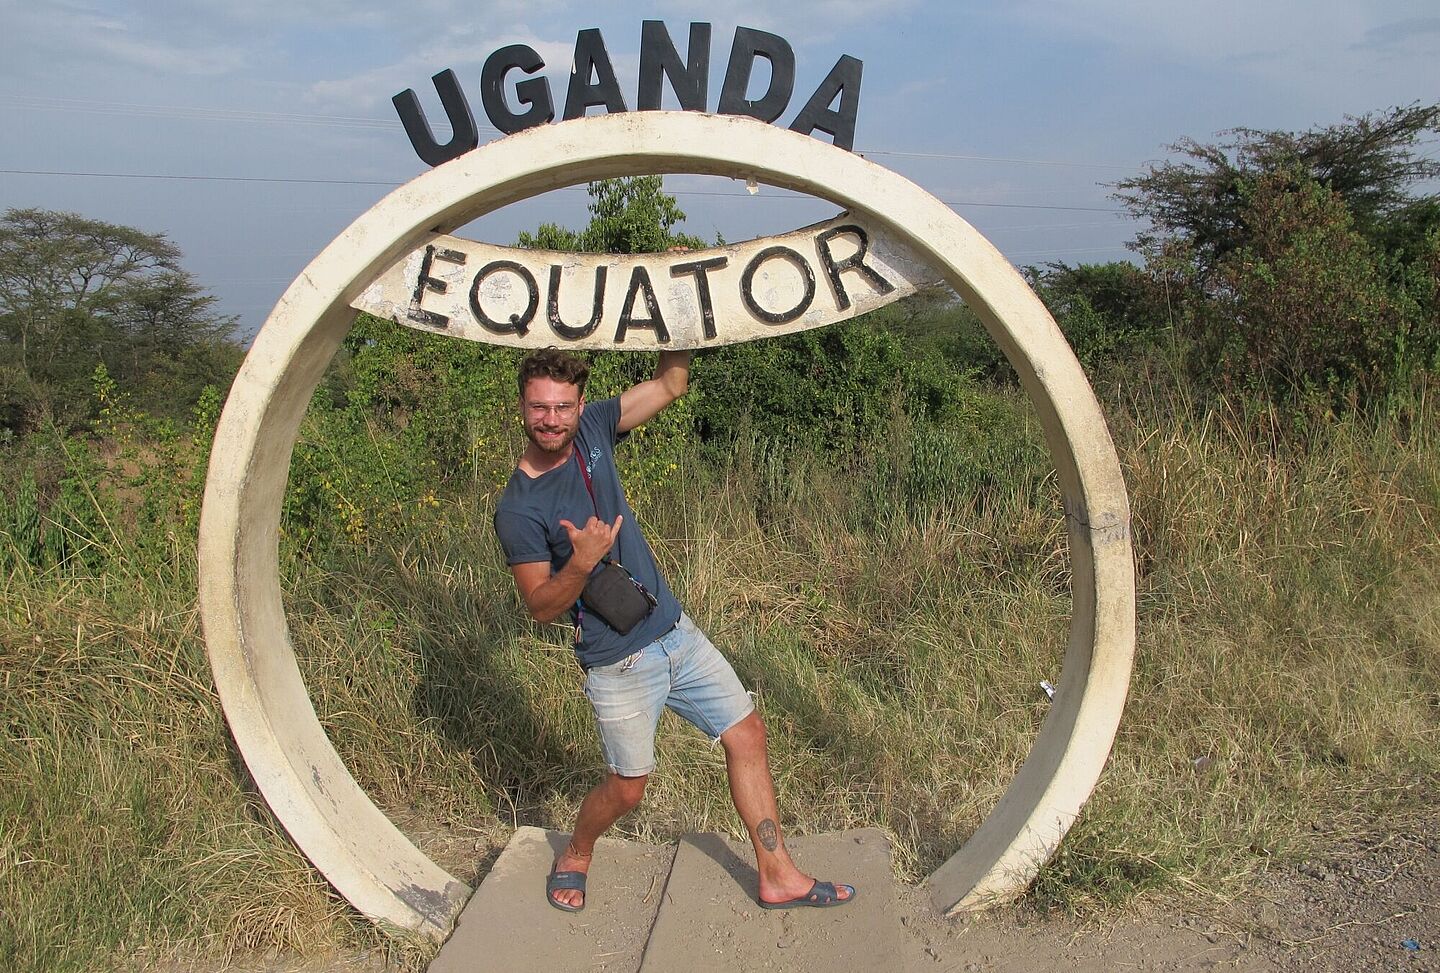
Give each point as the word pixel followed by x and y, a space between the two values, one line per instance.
pixel 585 474
pixel 580 602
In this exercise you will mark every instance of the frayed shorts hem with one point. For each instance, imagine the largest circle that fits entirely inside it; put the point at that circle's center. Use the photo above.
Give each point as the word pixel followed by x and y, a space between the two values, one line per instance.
pixel 733 723
pixel 681 670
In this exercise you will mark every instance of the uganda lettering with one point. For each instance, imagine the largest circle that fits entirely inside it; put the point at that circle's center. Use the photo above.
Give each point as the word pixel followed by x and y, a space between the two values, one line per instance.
pixel 593 84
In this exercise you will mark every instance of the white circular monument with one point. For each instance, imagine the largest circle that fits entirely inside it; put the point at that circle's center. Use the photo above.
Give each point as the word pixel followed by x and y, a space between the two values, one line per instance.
pixel 356 847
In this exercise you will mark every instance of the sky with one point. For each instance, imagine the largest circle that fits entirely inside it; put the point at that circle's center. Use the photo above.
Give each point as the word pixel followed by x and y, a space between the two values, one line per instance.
pixel 252 132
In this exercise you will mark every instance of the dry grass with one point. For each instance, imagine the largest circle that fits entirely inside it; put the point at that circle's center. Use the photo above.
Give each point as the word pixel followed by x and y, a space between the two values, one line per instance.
pixel 894 621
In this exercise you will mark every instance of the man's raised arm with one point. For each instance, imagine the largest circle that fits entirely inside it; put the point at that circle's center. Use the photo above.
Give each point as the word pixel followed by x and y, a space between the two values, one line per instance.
pixel 640 403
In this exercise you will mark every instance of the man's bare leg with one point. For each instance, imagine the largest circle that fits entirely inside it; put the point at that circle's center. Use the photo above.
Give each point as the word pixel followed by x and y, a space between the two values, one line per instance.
pixel 608 802
pixel 753 790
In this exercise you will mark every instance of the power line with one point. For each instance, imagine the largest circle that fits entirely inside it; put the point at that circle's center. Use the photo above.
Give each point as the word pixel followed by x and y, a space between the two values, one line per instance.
pixel 36 103
pixel 1072 209
pixel 1012 254
pixel 43 103
pixel 391 185
pixel 191 178
pixel 1017 228
pixel 947 202
pixel 990 158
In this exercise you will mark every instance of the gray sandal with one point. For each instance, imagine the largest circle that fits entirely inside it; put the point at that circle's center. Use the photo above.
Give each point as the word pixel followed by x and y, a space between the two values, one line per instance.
pixel 822 895
pixel 564 880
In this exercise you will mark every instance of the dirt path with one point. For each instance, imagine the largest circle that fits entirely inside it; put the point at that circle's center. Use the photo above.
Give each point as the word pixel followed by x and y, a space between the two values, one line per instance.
pixel 1357 908
pixel 1370 903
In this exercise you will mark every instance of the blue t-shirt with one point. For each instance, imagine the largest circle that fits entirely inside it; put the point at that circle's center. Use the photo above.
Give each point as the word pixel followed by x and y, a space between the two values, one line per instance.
pixel 527 522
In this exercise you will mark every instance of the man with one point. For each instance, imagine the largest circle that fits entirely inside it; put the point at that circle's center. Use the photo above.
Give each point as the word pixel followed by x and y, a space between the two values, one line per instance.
pixel 557 521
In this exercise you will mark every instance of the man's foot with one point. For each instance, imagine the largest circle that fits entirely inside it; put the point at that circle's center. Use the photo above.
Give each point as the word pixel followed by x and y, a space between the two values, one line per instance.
pixel 565 888
pixel 800 889
pixel 822 895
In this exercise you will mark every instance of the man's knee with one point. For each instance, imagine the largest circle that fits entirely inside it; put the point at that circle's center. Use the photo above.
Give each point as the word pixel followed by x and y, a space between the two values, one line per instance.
pixel 629 791
pixel 746 736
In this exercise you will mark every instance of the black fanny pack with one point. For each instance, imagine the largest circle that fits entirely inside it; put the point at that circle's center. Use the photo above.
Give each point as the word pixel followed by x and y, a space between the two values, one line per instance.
pixel 612 594
pixel 616 598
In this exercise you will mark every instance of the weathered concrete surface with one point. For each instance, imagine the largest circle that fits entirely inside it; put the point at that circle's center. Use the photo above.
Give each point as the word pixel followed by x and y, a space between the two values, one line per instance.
pixel 507 925
pixel 293 762
pixel 709 919
pixel 702 917
pixel 812 277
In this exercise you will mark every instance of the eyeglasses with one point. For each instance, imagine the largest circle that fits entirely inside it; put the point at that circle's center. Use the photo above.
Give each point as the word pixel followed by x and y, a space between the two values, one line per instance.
pixel 563 410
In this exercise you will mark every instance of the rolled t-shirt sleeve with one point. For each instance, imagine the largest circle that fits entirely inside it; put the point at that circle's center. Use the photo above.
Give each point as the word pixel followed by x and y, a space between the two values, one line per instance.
pixel 604 417
pixel 522 538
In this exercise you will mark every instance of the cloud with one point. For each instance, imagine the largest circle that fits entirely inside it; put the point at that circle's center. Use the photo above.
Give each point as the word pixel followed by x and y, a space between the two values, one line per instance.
pixel 126 47
pixel 190 38
pixel 1193 30
pixel 1320 53
pixel 1417 31
pixel 804 23
pixel 45 35
pixel 370 90
pixel 402 21
pixel 464 46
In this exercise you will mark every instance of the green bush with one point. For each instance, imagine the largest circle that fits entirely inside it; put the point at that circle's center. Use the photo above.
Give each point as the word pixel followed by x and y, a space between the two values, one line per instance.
pixel 1305 307
pixel 834 390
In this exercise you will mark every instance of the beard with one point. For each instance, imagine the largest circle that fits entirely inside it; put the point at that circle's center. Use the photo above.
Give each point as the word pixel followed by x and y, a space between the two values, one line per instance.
pixel 551 440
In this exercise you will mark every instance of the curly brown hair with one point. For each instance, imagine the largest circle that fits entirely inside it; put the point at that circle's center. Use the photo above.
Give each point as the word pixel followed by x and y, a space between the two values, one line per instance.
pixel 554 364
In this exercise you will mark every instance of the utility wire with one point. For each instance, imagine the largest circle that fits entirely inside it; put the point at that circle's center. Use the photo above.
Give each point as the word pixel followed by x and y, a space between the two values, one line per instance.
pixel 953 157
pixel 39 103
pixel 35 103
pixel 192 178
pixel 181 177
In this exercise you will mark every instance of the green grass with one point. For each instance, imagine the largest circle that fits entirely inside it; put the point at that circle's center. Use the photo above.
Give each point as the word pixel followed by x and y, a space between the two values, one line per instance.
pixel 894 613
pixel 126 822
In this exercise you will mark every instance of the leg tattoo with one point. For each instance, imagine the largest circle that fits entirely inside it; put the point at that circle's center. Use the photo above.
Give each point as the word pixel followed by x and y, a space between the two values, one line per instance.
pixel 768 834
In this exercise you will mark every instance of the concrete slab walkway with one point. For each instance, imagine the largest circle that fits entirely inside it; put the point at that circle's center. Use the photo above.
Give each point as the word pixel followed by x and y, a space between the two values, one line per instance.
pixel 506 926
pixel 709 921
pixel 660 909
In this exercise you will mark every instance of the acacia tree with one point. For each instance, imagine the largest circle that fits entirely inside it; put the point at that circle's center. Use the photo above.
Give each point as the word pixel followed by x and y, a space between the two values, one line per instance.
pixel 1304 305
pixel 629 215
pixel 1370 162
pixel 632 214
pixel 77 292
pixel 1302 264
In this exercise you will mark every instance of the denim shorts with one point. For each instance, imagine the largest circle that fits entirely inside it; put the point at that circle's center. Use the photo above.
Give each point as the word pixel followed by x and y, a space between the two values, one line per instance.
pixel 681 669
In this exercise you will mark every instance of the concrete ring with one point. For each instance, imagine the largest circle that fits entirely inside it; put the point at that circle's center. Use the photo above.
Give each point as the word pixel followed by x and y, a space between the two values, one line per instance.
pixel 362 854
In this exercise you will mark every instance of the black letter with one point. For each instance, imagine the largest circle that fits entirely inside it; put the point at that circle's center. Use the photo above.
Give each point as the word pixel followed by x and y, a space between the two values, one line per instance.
pixel 844 80
pixel 640 279
pixel 750 44
pixel 457 109
pixel 747 280
pixel 552 305
pixel 856 261
pixel 590 57
pixel 700 270
pixel 519 323
pixel 658 57
pixel 535 91
pixel 428 283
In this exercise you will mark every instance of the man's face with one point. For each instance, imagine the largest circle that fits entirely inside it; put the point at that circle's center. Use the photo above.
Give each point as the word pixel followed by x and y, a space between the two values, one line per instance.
pixel 551 412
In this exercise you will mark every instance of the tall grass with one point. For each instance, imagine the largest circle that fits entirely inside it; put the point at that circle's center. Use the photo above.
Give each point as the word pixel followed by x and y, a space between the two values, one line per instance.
pixel 894 611
pixel 126 821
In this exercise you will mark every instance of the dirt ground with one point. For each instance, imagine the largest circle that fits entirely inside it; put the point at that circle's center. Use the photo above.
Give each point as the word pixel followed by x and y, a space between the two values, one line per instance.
pixel 1369 903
